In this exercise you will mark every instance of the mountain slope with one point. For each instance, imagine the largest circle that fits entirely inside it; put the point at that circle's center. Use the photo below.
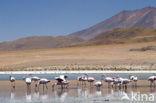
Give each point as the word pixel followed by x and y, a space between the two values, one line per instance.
pixel 122 35
pixel 39 42
pixel 145 17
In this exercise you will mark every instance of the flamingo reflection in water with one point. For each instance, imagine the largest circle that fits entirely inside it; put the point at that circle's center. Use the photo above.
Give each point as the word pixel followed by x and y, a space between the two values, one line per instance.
pixel 116 94
pixel 12 94
pixel 28 95
pixel 88 92
pixel 61 95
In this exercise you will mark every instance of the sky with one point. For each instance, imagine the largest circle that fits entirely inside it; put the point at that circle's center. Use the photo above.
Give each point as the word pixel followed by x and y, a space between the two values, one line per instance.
pixel 22 18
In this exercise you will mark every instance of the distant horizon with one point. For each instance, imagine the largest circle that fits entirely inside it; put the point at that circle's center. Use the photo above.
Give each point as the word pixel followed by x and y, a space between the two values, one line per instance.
pixel 55 18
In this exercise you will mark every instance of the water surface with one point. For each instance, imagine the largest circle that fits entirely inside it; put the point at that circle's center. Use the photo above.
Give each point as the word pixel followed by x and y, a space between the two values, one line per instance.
pixel 75 94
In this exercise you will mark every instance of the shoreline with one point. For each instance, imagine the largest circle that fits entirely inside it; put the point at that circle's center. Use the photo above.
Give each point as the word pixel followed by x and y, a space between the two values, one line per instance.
pixel 72 72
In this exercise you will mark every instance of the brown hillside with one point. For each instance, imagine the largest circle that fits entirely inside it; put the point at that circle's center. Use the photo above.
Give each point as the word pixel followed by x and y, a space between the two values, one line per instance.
pixel 122 35
pixel 39 42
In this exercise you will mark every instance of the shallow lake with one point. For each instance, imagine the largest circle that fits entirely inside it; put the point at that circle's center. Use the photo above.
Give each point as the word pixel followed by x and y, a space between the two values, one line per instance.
pixel 141 76
pixel 76 94
pixel 79 95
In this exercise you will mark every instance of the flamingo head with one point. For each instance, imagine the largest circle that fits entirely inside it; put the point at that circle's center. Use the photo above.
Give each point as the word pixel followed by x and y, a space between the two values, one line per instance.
pixel 118 77
pixel 103 76
pixel 86 75
pixel 130 76
pixel 23 78
pixel 65 77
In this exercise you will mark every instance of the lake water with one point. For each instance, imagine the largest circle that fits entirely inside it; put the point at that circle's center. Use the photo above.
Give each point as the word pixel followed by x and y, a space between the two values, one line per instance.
pixel 80 95
pixel 141 76
pixel 141 94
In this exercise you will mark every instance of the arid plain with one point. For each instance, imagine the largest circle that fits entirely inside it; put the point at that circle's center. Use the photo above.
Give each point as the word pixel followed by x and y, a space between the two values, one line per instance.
pixel 102 55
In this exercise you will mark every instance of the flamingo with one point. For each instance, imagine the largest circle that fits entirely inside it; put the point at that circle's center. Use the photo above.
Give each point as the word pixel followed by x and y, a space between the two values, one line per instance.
pixel 123 81
pixel 152 79
pixel 35 79
pixel 134 79
pixel 28 81
pixel 12 80
pixel 109 80
pixel 43 81
pixel 82 79
pixel 90 79
pixel 98 84
pixel 116 82
pixel 61 80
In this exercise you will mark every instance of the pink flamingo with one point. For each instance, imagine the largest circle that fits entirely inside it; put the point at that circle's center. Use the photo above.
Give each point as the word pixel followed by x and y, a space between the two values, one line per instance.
pixel 90 79
pixel 82 79
pixel 61 80
pixel 109 80
pixel 152 79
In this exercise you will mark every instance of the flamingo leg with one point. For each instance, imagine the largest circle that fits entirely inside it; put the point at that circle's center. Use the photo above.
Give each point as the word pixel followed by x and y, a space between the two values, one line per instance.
pixel 38 86
pixel 61 86
pixel 14 85
pixel 35 84
pixel 28 86
pixel 67 86
pixel 85 83
pixel 119 86
pixel 43 87
pixel 78 83
pixel 136 84
pixel 125 86
pixel 112 85
pixel 46 86
pixel 151 83
pixel 11 84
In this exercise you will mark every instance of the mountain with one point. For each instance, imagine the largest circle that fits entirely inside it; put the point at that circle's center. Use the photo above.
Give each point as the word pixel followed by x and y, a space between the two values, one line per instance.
pixel 121 36
pixel 39 42
pixel 145 17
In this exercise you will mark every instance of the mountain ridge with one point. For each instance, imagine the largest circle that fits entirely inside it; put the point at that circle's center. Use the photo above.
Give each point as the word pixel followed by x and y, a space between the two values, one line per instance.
pixel 122 36
pixel 39 42
pixel 145 17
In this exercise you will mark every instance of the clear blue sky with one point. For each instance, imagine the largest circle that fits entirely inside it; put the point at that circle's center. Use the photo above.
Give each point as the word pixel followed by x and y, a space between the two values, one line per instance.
pixel 21 18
